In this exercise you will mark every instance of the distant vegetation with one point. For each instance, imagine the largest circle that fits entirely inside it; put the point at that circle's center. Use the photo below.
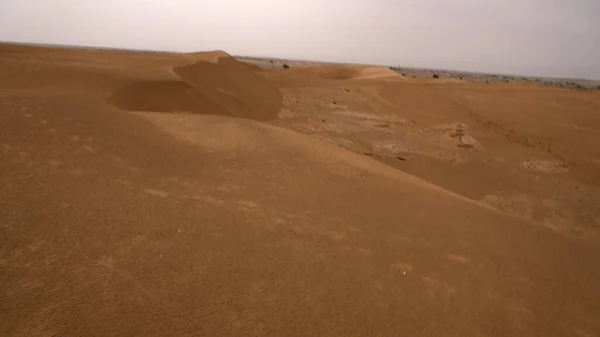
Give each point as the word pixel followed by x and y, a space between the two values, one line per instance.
pixel 495 78
pixel 285 66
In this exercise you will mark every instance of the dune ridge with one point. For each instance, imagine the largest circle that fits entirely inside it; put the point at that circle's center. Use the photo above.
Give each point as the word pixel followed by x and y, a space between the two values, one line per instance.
pixel 345 72
pixel 215 84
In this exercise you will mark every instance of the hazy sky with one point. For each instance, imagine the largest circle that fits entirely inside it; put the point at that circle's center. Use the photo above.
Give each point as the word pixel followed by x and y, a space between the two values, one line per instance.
pixel 537 37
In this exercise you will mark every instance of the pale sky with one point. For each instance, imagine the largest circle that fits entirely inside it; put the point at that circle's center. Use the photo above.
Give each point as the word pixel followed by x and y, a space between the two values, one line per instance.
pixel 531 37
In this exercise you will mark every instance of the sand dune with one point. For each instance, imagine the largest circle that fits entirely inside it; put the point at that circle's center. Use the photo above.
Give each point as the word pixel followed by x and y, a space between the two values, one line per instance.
pixel 378 73
pixel 347 72
pixel 322 74
pixel 160 96
pixel 336 202
pixel 208 56
pixel 217 84
pixel 234 86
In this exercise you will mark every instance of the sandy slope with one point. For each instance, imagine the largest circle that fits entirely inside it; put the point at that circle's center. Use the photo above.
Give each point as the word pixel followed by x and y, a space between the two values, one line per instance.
pixel 223 87
pixel 118 222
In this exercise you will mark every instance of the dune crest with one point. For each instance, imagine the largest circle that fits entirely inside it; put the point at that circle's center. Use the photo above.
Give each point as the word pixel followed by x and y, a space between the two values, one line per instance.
pixel 235 87
pixel 215 85
pixel 347 72
pixel 208 56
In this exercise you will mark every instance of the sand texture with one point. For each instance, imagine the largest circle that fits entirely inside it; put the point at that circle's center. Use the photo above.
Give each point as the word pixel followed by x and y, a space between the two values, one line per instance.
pixel 197 195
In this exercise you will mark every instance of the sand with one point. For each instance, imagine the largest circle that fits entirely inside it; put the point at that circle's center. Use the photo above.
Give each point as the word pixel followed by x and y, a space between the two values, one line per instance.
pixel 193 194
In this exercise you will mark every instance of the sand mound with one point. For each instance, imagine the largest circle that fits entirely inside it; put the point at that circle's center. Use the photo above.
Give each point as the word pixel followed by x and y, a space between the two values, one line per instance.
pixel 252 67
pixel 235 87
pixel 162 96
pixel 346 72
pixel 336 72
pixel 449 80
pixel 378 72
pixel 227 87
pixel 208 56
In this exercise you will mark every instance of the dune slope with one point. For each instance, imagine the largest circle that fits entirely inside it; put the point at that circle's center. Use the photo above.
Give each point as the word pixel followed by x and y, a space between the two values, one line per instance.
pixel 216 84
pixel 148 223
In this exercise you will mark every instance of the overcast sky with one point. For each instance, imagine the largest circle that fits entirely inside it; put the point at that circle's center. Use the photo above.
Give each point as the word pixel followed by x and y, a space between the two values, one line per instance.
pixel 536 37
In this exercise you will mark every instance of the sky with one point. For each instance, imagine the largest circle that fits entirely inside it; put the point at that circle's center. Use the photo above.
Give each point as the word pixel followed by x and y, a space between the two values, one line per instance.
pixel 530 37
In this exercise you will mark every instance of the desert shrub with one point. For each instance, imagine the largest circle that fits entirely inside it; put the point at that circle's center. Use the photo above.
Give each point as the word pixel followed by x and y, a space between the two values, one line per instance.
pixel 404 74
pixel 286 66
pixel 436 76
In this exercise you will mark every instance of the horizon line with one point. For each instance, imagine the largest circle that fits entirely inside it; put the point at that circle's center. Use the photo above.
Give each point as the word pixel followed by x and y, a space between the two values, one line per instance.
pixel 75 46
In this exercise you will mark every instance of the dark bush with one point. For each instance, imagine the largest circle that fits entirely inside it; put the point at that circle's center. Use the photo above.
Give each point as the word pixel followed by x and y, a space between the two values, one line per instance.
pixel 436 76
pixel 285 66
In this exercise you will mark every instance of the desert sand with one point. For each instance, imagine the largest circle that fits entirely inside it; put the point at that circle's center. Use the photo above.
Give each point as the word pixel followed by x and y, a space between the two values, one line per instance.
pixel 146 194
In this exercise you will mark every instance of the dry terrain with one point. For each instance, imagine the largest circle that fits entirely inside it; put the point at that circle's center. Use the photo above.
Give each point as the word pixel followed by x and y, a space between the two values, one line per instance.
pixel 445 74
pixel 197 195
